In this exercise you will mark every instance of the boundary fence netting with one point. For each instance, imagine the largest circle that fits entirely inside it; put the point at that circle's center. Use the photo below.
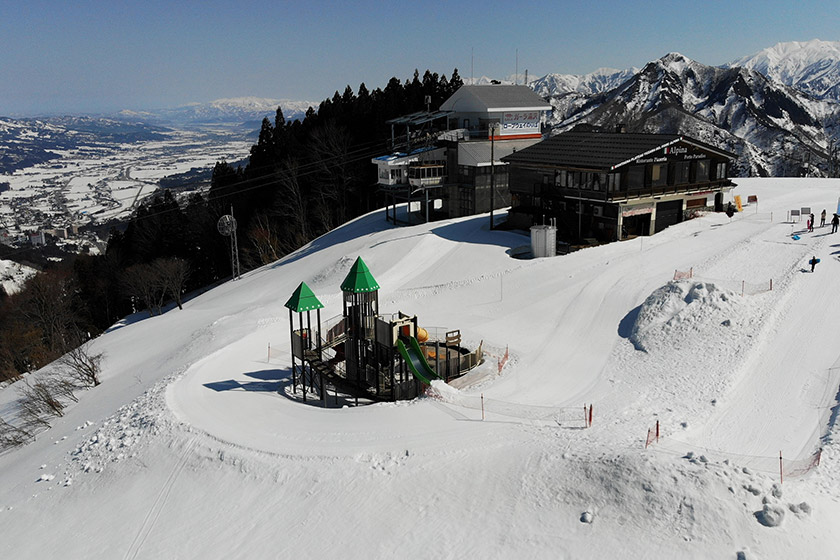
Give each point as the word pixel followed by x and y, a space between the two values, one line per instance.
pixel 567 417
pixel 828 407
pixel 738 286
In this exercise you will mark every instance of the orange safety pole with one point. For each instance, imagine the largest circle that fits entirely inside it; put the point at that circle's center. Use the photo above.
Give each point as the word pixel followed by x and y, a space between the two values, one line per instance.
pixel 482 406
pixel 657 430
pixel 585 421
pixel 590 415
pixel 647 439
pixel 268 360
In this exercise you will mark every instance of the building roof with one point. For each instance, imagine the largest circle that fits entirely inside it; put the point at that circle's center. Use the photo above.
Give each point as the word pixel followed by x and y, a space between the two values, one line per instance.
pixel 494 98
pixel 359 279
pixel 476 154
pixel 602 151
pixel 303 299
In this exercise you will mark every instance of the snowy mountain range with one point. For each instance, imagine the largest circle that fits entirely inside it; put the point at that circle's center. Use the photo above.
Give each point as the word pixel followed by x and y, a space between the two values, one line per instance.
pixel 774 126
pixel 812 67
pixel 240 110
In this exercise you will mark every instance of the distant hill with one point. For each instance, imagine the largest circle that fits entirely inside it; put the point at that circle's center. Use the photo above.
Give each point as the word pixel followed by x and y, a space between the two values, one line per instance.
pixel 240 110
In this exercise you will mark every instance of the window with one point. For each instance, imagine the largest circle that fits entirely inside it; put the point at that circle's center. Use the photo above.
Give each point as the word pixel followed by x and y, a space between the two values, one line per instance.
pixel 574 179
pixel 658 174
pixel 701 172
pixel 560 179
pixel 681 169
pixel 383 173
pixel 600 182
pixel 636 177
pixel 614 182
pixel 721 171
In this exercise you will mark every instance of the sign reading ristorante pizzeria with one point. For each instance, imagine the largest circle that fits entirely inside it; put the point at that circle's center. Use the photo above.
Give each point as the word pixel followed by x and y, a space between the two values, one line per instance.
pixel 671 153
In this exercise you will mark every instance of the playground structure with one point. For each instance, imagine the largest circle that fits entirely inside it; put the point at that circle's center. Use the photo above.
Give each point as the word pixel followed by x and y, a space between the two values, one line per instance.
pixel 363 354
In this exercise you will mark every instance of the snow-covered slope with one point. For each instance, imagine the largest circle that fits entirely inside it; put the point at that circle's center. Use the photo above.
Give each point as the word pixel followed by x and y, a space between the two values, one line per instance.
pixel 812 67
pixel 13 275
pixel 194 446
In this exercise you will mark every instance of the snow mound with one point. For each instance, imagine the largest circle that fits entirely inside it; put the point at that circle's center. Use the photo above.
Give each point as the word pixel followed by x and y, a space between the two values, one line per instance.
pixel 674 315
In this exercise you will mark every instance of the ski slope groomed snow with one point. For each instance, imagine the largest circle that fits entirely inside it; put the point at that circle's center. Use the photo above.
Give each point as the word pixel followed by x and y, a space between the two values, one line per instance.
pixel 195 447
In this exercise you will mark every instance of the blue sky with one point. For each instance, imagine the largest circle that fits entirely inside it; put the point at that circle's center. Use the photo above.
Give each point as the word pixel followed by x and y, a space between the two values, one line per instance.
pixel 101 56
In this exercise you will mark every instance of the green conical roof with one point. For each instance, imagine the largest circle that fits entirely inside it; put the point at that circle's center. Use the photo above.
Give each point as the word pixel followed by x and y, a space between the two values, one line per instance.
pixel 303 300
pixel 359 279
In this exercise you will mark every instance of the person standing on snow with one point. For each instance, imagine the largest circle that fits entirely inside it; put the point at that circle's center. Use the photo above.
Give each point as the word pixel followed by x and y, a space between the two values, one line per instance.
pixel 835 221
pixel 811 224
pixel 822 218
pixel 813 262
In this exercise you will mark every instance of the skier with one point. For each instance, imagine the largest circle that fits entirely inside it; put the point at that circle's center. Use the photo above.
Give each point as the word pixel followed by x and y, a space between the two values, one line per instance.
pixel 813 262
pixel 811 224
pixel 822 218
pixel 835 221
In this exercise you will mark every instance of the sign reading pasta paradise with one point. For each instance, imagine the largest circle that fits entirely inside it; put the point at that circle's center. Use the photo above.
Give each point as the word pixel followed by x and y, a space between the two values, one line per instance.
pixel 520 122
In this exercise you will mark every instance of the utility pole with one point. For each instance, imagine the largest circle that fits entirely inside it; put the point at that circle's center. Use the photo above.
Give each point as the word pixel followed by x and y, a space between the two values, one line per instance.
pixel 493 128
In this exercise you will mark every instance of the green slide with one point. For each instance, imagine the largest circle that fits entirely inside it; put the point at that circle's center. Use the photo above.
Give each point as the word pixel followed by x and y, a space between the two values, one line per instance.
pixel 416 361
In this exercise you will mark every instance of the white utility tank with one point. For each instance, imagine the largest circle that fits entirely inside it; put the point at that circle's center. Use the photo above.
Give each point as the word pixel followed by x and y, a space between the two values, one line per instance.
pixel 543 241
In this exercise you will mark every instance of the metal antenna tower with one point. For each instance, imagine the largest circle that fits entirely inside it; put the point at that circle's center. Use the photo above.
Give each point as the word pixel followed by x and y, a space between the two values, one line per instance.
pixel 227 227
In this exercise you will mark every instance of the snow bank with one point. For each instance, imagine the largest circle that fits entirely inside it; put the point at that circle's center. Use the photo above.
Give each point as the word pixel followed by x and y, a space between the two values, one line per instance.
pixel 674 315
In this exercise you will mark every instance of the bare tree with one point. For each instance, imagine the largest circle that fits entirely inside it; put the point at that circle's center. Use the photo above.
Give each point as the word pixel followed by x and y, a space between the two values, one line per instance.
pixel 292 206
pixel 264 240
pixel 330 147
pixel 171 276
pixel 79 368
pixel 37 402
pixel 141 281
pixel 48 304
pixel 12 436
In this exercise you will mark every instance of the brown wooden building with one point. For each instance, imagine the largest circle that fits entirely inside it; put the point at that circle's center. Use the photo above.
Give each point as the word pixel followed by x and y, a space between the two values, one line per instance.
pixel 609 186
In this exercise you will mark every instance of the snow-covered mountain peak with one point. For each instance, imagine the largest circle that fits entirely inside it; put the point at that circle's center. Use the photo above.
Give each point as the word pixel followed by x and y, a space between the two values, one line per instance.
pixel 812 66
pixel 601 80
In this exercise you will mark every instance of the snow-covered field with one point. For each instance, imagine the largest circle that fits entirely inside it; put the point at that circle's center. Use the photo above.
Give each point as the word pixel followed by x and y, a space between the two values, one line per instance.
pixel 188 449
pixel 106 181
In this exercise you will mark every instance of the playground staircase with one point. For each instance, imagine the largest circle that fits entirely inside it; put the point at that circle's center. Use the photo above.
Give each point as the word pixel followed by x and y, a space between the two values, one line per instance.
pixel 341 384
